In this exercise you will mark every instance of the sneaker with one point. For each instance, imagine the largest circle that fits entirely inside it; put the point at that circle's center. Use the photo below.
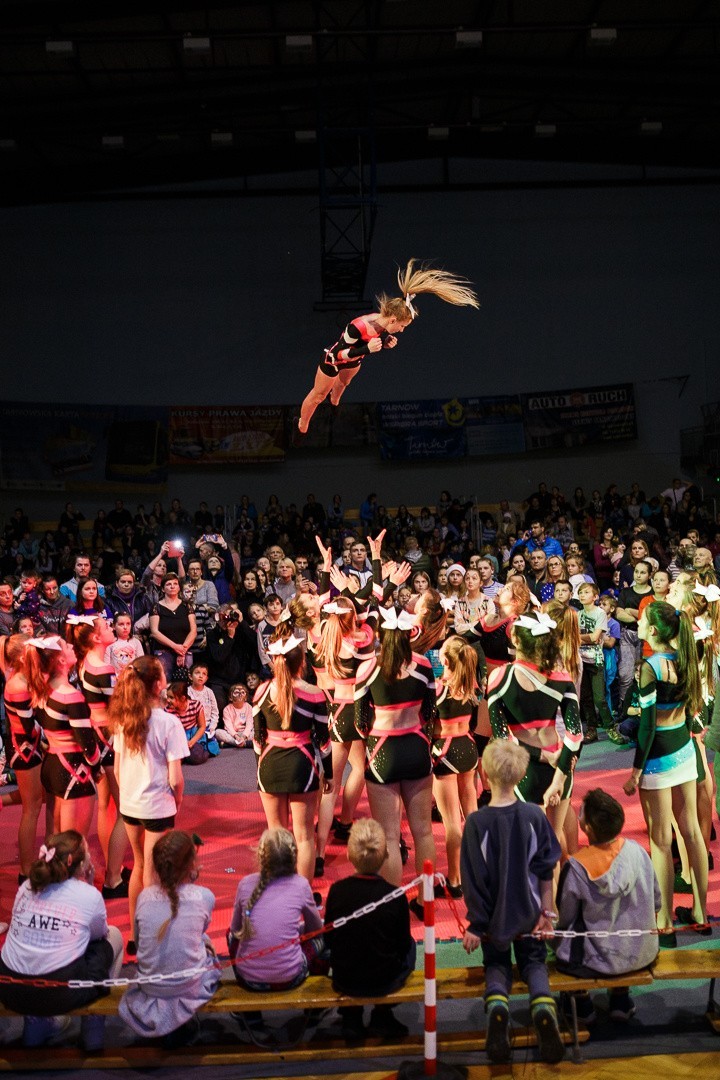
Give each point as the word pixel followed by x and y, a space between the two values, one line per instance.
pixel 454 890
pixel 42 1030
pixel 621 1006
pixel 616 737
pixel 681 885
pixel 92 1034
pixel 404 851
pixel 319 866
pixel 182 1036
pixel 497 1040
pixel 591 735
pixel 550 1044
pixel 417 908
pixel 435 814
pixel 584 1007
pixel 385 1024
pixel 117 892
pixel 352 1028
pixel 341 832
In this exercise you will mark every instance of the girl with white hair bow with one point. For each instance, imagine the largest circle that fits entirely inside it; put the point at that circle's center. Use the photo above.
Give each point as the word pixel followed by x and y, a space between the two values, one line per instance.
pixel 523 699
pixel 394 706
pixel 292 744
pixel 371 333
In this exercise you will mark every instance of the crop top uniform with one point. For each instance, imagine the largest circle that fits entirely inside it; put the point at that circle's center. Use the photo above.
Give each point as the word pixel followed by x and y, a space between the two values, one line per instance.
pixel 515 711
pixel 351 348
pixel 454 749
pixel 73 751
pixel 97 682
pixel 404 753
pixel 25 732
pixel 341 695
pixel 496 642
pixel 666 754
pixel 291 760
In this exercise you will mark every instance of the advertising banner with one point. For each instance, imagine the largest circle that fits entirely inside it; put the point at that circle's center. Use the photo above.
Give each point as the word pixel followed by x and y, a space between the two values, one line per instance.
pixel 55 447
pixel 421 430
pixel 567 419
pixel 226 435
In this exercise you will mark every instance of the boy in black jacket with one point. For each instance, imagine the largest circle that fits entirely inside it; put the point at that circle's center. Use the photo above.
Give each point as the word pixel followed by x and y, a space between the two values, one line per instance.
pixel 375 954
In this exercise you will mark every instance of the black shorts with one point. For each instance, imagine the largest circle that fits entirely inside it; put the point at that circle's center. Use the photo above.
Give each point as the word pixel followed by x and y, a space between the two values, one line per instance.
pixel 151 824
pixel 537 780
pixel 332 371
pixel 455 755
pixel 401 757
pixel 342 724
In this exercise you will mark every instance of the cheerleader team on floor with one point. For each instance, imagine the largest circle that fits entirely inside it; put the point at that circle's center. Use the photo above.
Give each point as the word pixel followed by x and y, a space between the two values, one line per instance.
pixel 421 715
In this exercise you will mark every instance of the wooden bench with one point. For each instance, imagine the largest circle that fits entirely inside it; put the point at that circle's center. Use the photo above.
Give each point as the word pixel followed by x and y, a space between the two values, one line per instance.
pixel 316 993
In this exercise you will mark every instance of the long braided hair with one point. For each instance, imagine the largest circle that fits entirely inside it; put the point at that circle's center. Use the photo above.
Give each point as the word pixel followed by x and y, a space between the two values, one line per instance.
pixel 277 857
pixel 174 862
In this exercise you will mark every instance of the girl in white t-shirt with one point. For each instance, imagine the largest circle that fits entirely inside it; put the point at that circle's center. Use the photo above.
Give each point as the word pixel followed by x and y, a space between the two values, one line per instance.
pixel 59 931
pixel 150 744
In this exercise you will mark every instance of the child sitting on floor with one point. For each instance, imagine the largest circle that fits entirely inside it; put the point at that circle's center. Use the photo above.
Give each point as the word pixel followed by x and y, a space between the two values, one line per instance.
pixel 237 729
pixel 610 885
pixel 191 715
pixel 371 956
pixel 509 853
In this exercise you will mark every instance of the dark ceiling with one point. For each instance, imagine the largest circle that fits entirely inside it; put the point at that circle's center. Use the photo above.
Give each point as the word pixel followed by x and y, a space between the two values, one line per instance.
pixel 102 94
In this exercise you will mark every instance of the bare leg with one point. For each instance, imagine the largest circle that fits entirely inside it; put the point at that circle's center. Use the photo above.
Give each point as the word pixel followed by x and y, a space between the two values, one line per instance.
pixel 417 797
pixel 386 807
pixel 684 800
pixel 341 384
pixel 327 801
pixel 277 810
pixel 31 797
pixel 657 807
pixel 76 813
pixel 355 782
pixel 136 836
pixel 321 388
pixel 303 823
pixel 117 841
pixel 447 796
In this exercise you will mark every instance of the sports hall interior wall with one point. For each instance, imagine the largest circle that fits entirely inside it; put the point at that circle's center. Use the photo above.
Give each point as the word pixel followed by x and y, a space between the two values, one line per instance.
pixel 210 301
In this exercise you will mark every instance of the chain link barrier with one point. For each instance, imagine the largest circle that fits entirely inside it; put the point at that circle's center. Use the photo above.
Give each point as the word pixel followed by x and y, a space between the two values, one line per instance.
pixel 367 909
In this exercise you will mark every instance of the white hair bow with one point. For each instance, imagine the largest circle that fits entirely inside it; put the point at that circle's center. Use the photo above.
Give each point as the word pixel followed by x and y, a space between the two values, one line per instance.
pixel 701 630
pixel 541 624
pixel 409 297
pixel 51 643
pixel 279 648
pixel 710 592
pixel 448 602
pixel 46 853
pixel 391 619
pixel 77 620
pixel 333 609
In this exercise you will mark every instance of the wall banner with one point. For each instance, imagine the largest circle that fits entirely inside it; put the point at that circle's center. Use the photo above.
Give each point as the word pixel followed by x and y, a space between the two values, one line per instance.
pixel 226 435
pixel 567 419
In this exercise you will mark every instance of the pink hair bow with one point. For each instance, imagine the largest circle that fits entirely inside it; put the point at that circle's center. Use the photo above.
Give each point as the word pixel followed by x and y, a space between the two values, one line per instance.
pixel 46 853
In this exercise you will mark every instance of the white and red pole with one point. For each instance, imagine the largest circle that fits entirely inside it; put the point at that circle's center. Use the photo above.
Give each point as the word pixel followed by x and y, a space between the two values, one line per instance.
pixel 430 983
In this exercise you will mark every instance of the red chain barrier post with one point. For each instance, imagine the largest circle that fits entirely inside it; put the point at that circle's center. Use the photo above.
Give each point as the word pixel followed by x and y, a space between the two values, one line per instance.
pixel 413 1070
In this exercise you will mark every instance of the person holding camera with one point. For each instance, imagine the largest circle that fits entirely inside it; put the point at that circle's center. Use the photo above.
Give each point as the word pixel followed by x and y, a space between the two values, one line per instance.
pixel 230 651
pixel 217 563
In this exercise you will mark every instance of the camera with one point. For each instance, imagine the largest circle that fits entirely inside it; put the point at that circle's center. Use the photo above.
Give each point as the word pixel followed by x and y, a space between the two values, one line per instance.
pixel 233 616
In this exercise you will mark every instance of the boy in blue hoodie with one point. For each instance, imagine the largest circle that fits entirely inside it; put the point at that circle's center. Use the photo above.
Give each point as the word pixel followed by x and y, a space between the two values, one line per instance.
pixel 508 855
